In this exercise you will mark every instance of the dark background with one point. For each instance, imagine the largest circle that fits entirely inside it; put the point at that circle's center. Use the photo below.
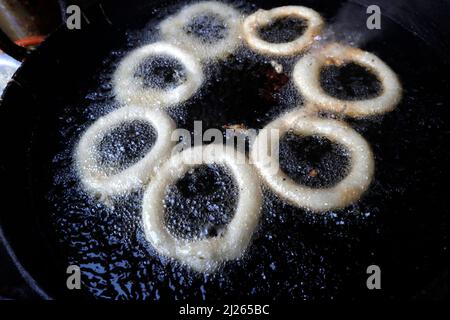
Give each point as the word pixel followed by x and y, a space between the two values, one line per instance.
pixel 426 12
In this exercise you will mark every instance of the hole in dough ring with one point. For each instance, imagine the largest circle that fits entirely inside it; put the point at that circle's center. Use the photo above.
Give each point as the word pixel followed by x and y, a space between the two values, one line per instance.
pixel 97 181
pixel 172 29
pixel 306 76
pixel 130 90
pixel 204 255
pixel 262 18
pixel 344 192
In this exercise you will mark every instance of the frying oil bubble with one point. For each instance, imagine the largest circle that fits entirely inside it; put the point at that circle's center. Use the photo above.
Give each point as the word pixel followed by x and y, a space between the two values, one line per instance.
pixel 293 255
pixel 283 30
pixel 209 28
pixel 125 145
pixel 350 82
pixel 161 72
pixel 313 161
pixel 201 204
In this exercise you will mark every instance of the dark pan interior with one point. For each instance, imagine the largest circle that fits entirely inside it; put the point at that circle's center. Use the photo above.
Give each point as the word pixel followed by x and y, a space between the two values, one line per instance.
pixel 401 224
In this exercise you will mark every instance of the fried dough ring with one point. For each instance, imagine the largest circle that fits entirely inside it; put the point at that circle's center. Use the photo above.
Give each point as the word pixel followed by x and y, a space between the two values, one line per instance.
pixel 306 77
pixel 98 181
pixel 130 90
pixel 344 192
pixel 204 255
pixel 262 18
pixel 172 30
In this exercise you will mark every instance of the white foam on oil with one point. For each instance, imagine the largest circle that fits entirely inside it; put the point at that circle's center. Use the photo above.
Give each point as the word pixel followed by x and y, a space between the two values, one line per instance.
pixel 108 243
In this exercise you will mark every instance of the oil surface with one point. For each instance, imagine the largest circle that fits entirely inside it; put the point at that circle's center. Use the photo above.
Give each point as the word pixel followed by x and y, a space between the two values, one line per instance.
pixel 161 72
pixel 313 161
pixel 349 82
pixel 208 28
pixel 125 145
pixel 295 254
pixel 283 30
pixel 201 203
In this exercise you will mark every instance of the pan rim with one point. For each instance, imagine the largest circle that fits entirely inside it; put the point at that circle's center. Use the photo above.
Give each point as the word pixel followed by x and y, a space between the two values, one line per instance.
pixel 25 275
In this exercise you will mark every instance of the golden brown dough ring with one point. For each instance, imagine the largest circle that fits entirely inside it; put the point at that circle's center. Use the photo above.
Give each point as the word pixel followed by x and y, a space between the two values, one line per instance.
pixel 172 30
pixel 99 182
pixel 130 90
pixel 261 18
pixel 344 192
pixel 204 255
pixel 307 79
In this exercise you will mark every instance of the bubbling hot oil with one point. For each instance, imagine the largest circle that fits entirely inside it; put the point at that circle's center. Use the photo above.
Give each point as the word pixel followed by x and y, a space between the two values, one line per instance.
pixel 201 204
pixel 294 255
pixel 161 72
pixel 350 81
pixel 208 28
pixel 313 161
pixel 283 30
pixel 125 145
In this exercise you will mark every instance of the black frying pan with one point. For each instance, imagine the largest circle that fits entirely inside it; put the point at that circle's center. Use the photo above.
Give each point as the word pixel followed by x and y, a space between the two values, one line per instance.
pixel 401 224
